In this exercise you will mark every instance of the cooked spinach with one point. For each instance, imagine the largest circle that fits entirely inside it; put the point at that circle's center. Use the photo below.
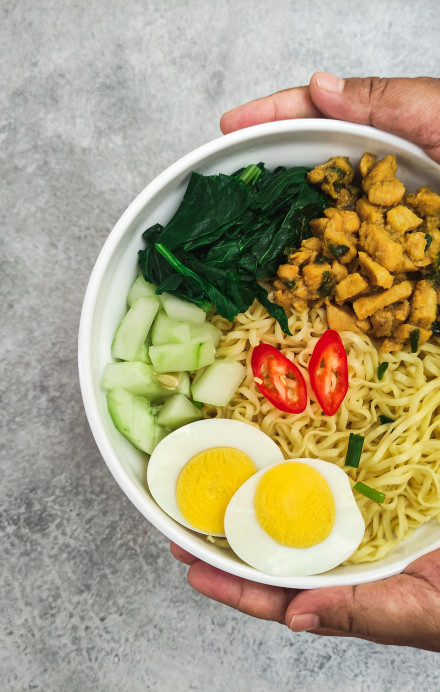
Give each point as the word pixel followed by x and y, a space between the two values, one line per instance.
pixel 326 286
pixel 338 250
pixel 228 232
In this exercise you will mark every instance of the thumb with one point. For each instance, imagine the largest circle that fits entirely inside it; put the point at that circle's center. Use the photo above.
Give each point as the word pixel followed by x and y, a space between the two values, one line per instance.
pixel 407 107
pixel 401 610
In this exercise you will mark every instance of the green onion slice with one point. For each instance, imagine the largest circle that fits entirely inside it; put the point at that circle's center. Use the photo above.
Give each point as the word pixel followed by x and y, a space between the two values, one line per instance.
pixel 414 339
pixel 199 404
pixel 381 370
pixel 354 450
pixel 385 419
pixel 371 493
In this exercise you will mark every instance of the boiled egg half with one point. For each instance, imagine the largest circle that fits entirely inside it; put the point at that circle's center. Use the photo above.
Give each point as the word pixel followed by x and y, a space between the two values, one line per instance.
pixel 194 471
pixel 296 518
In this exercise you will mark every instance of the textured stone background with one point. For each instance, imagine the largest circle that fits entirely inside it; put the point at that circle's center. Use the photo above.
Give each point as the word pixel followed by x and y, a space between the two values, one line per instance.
pixel 96 98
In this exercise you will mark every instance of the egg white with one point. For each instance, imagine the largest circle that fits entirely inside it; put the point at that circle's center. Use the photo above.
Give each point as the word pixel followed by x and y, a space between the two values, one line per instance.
pixel 255 547
pixel 177 448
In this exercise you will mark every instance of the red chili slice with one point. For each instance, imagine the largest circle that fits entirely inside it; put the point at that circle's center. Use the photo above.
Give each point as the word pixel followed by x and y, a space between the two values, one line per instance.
pixel 279 379
pixel 328 371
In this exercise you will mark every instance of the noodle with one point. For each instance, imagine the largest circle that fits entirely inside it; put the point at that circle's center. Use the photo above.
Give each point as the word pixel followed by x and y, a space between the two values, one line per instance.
pixel 400 459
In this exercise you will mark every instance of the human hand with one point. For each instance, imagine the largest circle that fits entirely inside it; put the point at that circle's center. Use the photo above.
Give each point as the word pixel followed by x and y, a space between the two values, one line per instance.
pixel 402 610
pixel 406 107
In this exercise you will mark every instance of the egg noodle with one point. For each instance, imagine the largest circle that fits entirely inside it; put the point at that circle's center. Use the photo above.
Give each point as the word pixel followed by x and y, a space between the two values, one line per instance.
pixel 400 459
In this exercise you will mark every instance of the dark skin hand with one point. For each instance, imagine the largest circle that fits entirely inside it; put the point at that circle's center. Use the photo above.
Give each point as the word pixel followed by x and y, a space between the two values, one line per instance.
pixel 405 609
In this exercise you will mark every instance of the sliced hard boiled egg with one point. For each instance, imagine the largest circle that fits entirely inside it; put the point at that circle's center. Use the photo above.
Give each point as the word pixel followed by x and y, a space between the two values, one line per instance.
pixel 195 470
pixel 296 518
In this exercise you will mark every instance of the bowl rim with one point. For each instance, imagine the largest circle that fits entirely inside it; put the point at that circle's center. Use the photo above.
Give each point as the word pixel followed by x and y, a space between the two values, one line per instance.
pixel 221 143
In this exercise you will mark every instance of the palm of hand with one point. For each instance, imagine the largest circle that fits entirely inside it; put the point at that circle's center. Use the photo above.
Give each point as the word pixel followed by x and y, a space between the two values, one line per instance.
pixel 402 610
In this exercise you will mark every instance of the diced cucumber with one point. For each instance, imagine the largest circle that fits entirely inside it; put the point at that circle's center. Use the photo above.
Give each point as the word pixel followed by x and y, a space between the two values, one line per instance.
pixel 174 357
pixel 168 331
pixel 133 417
pixel 218 382
pixel 205 331
pixel 178 411
pixel 137 378
pixel 141 378
pixel 143 354
pixel 184 386
pixel 134 327
pixel 140 288
pixel 178 309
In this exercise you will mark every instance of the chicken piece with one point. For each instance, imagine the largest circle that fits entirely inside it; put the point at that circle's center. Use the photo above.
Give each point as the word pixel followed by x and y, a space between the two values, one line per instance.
pixel 302 256
pixel 344 319
pixel 350 221
pixel 366 163
pixel 313 244
pixel 384 321
pixel 288 272
pixel 338 271
pixel 402 335
pixel 402 219
pixel 339 244
pixel 375 273
pixel 315 276
pixel 423 304
pixel 425 201
pixel 335 178
pixel 433 248
pixel 366 306
pixel 350 287
pixel 415 245
pixel 345 220
pixel 369 212
pixel 381 185
pixel 317 227
pixel 296 298
pixel 381 246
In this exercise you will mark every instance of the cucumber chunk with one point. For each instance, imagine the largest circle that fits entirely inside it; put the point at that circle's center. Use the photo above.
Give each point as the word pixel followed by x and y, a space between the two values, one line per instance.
pixel 178 411
pixel 205 331
pixel 168 331
pixel 178 309
pixel 218 382
pixel 140 288
pixel 141 379
pixel 175 357
pixel 133 417
pixel 134 327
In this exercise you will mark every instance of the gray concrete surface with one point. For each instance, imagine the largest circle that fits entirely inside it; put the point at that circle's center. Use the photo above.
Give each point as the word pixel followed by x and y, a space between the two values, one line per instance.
pixel 96 98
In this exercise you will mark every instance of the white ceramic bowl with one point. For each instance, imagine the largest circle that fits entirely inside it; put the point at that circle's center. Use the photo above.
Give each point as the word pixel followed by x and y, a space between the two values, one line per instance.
pixel 289 143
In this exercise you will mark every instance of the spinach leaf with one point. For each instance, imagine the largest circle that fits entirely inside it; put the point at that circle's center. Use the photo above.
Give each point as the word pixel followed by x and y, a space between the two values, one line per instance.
pixel 229 232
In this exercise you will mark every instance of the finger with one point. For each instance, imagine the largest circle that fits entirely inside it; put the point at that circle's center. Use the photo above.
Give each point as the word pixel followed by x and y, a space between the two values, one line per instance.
pixel 291 103
pixel 181 554
pixel 258 600
pixel 403 106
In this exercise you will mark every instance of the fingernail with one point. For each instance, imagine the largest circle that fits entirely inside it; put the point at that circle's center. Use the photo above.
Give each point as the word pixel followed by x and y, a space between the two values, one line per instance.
pixel 328 82
pixel 303 622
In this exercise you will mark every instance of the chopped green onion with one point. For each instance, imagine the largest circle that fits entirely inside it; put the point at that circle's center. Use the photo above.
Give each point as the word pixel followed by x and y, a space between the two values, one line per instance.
pixel 199 404
pixel 435 327
pixel 428 238
pixel 381 370
pixel 250 174
pixel 385 419
pixel 354 450
pixel 373 494
pixel 414 340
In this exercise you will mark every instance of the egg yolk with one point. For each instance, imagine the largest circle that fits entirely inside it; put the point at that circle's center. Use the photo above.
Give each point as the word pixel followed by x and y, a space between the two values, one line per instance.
pixel 207 483
pixel 294 505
